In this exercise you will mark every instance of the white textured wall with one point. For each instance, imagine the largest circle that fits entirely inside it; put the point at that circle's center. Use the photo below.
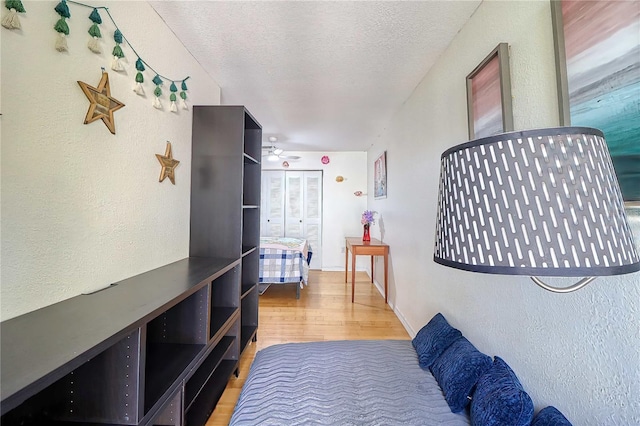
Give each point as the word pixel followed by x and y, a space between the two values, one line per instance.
pixel 579 351
pixel 82 208
pixel 341 209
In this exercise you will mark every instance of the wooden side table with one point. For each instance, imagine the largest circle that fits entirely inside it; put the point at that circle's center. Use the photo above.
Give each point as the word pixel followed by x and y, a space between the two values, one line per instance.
pixel 371 248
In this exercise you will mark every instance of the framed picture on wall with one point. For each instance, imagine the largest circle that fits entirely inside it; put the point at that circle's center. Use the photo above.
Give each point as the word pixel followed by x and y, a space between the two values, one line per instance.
pixel 380 176
pixel 489 108
pixel 597 48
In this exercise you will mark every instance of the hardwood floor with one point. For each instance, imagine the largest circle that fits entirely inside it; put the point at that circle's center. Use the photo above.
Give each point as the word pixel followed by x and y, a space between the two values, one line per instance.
pixel 324 312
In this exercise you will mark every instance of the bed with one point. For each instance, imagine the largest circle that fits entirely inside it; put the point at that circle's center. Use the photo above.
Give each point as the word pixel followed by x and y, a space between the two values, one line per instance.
pixel 357 382
pixel 437 378
pixel 284 260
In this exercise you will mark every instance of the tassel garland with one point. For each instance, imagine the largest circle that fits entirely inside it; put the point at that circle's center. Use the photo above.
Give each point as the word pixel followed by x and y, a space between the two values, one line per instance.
pixel 139 78
pixel 117 52
pixel 63 9
pixel 157 92
pixel 183 94
pixel 116 65
pixel 61 43
pixel 94 32
pixel 95 17
pixel 156 103
pixel 138 88
pixel 11 21
pixel 173 98
pixel 94 46
pixel 61 26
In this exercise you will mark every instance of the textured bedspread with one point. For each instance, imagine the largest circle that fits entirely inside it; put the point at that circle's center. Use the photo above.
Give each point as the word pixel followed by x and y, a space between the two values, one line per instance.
pixel 362 382
pixel 284 260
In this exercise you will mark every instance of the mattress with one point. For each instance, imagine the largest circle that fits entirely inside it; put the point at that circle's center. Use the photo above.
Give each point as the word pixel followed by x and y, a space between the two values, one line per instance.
pixel 350 382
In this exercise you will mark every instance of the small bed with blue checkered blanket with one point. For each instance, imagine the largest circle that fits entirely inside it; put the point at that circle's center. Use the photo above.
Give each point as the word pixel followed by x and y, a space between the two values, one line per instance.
pixel 284 260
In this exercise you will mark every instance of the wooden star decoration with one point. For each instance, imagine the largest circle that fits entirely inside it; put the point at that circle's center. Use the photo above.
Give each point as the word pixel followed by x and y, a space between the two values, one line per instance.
pixel 102 104
pixel 168 165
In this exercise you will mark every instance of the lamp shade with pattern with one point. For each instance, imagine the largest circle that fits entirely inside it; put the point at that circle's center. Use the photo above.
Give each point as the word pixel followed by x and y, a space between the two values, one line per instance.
pixel 540 202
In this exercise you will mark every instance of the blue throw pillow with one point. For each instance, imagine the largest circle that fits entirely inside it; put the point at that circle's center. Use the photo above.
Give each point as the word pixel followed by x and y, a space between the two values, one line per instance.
pixel 499 399
pixel 550 416
pixel 457 371
pixel 433 339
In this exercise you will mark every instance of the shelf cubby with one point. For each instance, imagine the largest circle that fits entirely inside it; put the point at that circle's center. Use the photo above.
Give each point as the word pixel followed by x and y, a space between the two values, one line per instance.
pixel 252 140
pixel 250 229
pixel 118 398
pixel 174 339
pixel 251 183
pixel 203 406
pixel 249 298
pixel 225 301
pixel 76 397
pixel 246 289
pixel 205 386
pixel 201 375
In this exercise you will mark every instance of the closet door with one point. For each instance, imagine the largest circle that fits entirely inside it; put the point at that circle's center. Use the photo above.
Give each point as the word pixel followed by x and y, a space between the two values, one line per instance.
pixel 272 204
pixel 312 215
pixel 294 205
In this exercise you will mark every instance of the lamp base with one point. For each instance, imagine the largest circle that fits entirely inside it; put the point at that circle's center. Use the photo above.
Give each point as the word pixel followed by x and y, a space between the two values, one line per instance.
pixel 574 287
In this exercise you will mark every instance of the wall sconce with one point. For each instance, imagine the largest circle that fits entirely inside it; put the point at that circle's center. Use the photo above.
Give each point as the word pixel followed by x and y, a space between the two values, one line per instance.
pixel 539 202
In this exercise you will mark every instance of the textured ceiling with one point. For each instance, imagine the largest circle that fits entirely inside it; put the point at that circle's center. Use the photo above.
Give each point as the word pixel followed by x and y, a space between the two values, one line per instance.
pixel 320 76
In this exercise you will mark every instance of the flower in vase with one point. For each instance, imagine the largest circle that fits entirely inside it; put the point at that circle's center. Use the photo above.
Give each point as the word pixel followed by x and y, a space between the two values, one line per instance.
pixel 367 217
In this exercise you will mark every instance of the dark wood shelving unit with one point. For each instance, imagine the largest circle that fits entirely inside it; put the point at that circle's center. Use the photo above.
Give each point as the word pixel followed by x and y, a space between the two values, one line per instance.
pixel 226 175
pixel 137 339
pixel 157 348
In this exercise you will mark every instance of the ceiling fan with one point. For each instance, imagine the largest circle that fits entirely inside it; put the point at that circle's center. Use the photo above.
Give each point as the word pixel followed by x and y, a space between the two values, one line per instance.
pixel 273 153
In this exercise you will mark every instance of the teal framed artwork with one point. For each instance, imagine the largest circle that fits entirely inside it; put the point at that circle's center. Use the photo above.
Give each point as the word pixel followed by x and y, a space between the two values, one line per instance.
pixel 597 46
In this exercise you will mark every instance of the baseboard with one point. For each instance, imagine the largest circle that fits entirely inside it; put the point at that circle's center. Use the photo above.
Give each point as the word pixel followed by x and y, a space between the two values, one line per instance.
pixel 404 322
pixel 341 269
pixel 396 311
